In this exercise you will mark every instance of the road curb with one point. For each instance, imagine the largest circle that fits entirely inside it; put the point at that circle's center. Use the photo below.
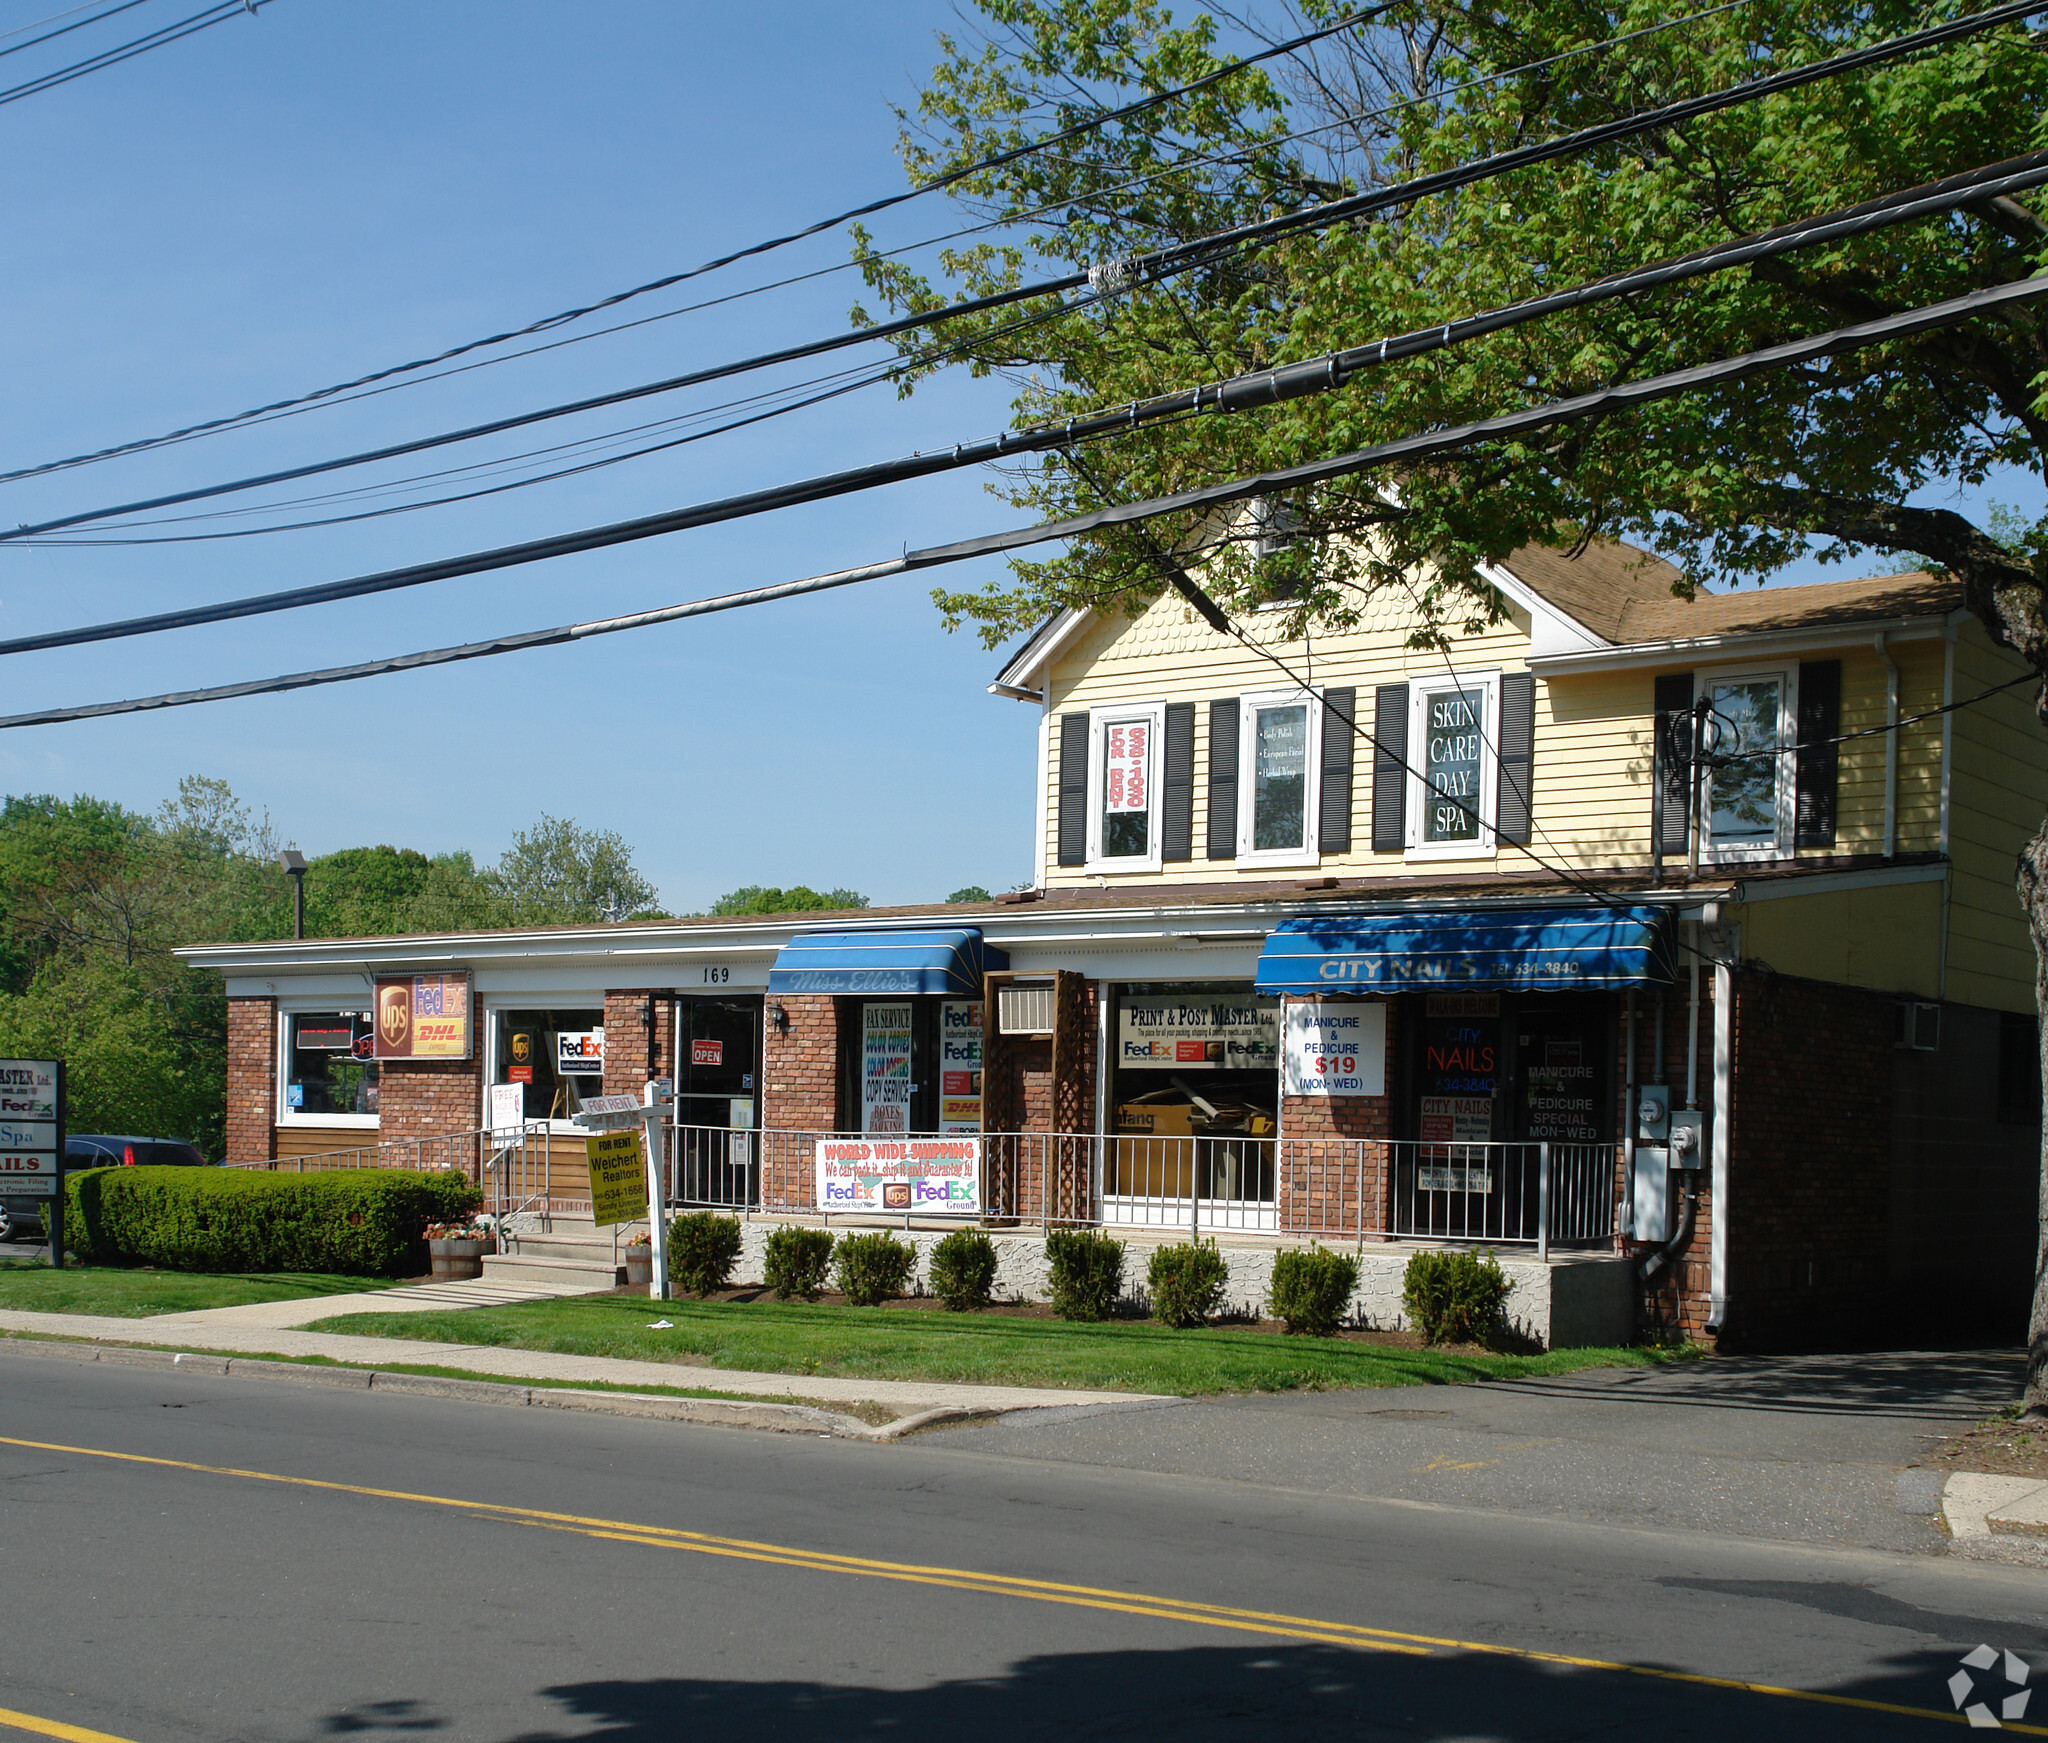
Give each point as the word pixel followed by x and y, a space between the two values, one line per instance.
pixel 714 1412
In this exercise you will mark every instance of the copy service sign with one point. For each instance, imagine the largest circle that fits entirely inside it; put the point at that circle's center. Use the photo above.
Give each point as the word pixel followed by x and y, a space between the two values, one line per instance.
pixel 423 1016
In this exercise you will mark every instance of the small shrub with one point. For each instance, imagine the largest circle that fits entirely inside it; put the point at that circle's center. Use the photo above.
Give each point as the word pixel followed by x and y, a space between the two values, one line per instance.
pixel 872 1268
pixel 367 1222
pixel 702 1250
pixel 1311 1288
pixel 799 1260
pixel 1087 1272
pixel 1455 1297
pixel 1186 1282
pixel 964 1270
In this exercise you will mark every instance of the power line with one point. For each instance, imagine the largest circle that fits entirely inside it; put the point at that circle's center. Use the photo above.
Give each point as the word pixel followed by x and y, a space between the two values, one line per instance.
pixel 325 398
pixel 1153 266
pixel 1505 426
pixel 51 36
pixel 667 281
pixel 169 33
pixel 1315 375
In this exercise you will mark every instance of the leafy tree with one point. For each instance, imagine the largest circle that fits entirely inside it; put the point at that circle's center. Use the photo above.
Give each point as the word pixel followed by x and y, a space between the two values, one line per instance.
pixel 1729 483
pixel 970 893
pixel 797 899
pixel 556 874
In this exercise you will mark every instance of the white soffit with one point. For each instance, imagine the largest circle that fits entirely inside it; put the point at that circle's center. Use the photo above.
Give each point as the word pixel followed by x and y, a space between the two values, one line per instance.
pixel 1024 679
pixel 1551 631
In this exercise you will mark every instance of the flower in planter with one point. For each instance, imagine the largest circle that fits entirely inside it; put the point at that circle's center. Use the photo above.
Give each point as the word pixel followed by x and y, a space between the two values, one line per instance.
pixel 640 1240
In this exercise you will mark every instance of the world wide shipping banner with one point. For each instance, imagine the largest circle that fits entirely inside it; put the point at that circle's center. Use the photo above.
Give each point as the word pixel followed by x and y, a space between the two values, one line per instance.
pixel 903 1174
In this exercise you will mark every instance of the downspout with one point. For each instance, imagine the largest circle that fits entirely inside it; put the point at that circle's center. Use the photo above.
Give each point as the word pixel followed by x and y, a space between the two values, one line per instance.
pixel 1891 747
pixel 1044 765
pixel 1625 1220
pixel 1724 1063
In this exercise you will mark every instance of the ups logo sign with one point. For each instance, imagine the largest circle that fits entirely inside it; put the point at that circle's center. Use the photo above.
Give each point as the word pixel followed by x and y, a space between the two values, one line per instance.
pixel 522 1049
pixel 394 1016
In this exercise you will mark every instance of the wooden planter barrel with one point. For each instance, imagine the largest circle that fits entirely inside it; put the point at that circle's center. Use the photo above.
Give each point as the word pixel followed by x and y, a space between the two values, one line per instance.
pixel 639 1263
pixel 457 1260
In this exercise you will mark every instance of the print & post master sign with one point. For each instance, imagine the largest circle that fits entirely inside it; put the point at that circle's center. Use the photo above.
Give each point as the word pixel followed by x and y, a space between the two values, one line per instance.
pixel 424 1016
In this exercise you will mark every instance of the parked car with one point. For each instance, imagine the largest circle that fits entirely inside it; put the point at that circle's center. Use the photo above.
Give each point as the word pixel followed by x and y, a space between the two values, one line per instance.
pixel 21 1219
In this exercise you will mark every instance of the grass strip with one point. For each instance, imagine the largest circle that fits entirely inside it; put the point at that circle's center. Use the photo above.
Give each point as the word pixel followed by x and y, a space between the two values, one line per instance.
pixel 965 1349
pixel 31 1286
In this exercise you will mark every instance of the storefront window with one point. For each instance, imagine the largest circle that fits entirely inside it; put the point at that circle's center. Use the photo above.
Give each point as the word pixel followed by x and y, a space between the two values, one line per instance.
pixel 910 1065
pixel 1194 1094
pixel 328 1068
pixel 557 1055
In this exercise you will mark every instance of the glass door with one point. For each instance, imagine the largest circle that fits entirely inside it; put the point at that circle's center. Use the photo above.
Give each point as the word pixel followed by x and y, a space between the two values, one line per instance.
pixel 718 1075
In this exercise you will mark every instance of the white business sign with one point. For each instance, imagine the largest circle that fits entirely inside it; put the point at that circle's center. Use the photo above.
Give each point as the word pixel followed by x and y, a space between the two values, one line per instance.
pixel 28 1127
pixel 579 1053
pixel 508 1106
pixel 1335 1049
pixel 1197 1031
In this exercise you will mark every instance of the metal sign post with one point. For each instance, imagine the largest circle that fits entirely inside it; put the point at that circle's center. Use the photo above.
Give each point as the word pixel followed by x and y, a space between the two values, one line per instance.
pixel 621 1113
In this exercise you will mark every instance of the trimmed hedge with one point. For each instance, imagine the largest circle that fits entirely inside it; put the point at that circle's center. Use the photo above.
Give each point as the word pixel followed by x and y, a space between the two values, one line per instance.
pixel 872 1269
pixel 1086 1270
pixel 799 1260
pixel 1455 1297
pixel 963 1269
pixel 360 1222
pixel 1311 1288
pixel 1187 1283
pixel 703 1248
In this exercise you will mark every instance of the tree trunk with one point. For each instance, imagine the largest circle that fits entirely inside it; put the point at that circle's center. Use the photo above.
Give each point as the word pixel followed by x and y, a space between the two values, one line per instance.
pixel 2033 882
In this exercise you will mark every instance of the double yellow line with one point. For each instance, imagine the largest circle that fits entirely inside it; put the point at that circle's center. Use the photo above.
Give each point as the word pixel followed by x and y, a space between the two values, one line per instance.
pixel 1268 1624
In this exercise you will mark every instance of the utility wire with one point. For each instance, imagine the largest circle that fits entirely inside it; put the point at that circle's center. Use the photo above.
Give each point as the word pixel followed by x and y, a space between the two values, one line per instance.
pixel 192 26
pixel 1241 393
pixel 1604 402
pixel 1159 264
pixel 51 36
pixel 950 179
pixel 342 393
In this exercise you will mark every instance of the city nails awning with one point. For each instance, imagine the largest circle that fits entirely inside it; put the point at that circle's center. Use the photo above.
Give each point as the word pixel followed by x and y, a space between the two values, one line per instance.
pixel 1549 950
pixel 950 961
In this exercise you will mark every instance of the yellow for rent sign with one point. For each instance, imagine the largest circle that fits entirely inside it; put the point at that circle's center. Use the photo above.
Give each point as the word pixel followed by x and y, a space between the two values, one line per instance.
pixel 618 1177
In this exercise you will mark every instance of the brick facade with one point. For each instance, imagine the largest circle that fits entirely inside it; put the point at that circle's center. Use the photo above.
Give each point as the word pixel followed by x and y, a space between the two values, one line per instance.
pixel 1326 1180
pixel 634 1053
pixel 252 1080
pixel 429 1098
pixel 800 1093
pixel 1678 1301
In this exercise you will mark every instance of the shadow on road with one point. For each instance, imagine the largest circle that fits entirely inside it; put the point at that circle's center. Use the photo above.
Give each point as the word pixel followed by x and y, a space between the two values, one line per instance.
pixel 1934 1385
pixel 1247 1692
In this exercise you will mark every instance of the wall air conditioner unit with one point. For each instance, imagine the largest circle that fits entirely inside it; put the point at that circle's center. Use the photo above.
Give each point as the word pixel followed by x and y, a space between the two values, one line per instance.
pixel 1279 526
pixel 1024 1010
pixel 1919 1027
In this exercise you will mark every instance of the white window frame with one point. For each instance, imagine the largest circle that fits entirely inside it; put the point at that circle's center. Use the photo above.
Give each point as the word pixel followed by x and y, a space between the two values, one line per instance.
pixel 1787 796
pixel 291 1116
pixel 1248 708
pixel 1420 690
pixel 544 1001
pixel 1153 714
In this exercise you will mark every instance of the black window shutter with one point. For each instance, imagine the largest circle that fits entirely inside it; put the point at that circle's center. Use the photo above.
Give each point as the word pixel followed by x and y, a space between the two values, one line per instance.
pixel 1673 734
pixel 1818 763
pixel 1073 841
pixel 1390 768
pixel 1333 814
pixel 1517 756
pixel 1223 778
pixel 1177 784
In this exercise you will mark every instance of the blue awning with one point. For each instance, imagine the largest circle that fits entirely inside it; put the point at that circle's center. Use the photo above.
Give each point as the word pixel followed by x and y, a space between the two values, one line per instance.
pixel 1549 950
pixel 950 961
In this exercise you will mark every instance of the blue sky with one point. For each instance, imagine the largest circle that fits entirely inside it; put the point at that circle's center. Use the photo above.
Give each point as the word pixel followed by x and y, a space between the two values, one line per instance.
pixel 326 188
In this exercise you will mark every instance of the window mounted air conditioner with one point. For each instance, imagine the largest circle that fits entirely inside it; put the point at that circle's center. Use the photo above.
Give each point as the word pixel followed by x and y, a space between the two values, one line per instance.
pixel 1024 1010
pixel 1919 1027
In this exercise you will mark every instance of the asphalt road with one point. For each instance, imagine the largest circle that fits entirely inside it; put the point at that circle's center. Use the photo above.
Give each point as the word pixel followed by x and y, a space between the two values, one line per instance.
pixel 199 1557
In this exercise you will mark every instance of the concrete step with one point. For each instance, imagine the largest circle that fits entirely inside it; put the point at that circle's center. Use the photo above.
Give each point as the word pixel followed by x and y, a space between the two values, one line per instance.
pixel 518 1269
pixel 557 1245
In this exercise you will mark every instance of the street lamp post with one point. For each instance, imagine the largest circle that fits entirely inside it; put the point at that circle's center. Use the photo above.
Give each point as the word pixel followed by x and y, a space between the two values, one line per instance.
pixel 294 863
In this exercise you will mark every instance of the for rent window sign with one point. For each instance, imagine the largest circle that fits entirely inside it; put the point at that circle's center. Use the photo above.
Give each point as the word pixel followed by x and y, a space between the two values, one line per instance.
pixel 1126 752
pixel 1336 1049
pixel 423 1016
pixel 879 1174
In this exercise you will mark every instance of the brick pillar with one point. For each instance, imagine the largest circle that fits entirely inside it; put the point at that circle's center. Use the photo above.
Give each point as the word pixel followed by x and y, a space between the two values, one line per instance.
pixel 632 1052
pixel 799 1091
pixel 429 1098
pixel 1334 1161
pixel 252 1080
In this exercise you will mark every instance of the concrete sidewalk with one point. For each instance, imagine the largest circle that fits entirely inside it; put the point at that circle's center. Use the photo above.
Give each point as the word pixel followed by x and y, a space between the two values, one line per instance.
pixel 253 1331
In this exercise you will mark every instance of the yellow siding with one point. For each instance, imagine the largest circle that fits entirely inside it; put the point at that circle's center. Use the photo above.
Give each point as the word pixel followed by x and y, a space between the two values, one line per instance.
pixel 1998 791
pixel 1591 796
pixel 1887 938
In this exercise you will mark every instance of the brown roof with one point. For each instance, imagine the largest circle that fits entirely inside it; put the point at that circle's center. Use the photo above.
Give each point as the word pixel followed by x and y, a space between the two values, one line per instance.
pixel 1623 595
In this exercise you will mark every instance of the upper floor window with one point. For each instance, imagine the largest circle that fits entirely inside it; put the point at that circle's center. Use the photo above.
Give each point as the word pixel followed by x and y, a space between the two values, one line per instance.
pixel 1747 779
pixel 1453 765
pixel 1280 732
pixel 1123 782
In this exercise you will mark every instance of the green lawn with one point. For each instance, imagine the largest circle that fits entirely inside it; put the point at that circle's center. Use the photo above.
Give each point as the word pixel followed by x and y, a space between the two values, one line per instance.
pixel 898 1344
pixel 30 1286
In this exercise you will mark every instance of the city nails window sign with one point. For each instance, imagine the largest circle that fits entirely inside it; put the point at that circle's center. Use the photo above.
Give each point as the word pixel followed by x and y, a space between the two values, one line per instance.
pixel 424 1016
